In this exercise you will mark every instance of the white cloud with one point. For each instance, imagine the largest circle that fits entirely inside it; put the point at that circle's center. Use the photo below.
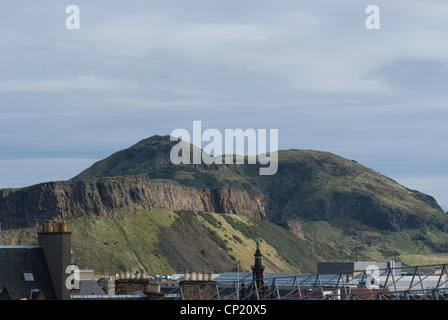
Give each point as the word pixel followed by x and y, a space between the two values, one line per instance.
pixel 299 48
pixel 307 50
pixel 84 82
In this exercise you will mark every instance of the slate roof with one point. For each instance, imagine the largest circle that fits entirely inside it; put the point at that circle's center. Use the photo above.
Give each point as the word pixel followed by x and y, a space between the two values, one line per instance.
pixel 14 260
pixel 90 287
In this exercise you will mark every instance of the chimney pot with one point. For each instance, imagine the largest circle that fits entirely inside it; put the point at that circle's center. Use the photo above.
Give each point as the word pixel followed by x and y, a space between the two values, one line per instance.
pixel 47 226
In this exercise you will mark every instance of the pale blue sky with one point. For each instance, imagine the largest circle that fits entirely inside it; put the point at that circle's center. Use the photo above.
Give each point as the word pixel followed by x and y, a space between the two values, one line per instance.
pixel 307 68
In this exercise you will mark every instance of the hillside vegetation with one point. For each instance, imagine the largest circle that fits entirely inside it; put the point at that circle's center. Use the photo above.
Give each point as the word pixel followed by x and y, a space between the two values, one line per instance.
pixel 309 184
pixel 165 242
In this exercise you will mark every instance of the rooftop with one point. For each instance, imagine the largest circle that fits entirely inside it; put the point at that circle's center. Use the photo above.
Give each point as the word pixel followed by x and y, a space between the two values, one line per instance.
pixel 24 271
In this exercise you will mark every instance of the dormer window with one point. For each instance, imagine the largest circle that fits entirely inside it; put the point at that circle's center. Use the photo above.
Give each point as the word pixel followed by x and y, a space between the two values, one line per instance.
pixel 28 276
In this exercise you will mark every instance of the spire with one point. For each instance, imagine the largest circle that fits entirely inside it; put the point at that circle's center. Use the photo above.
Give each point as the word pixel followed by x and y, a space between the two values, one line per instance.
pixel 258 267
pixel 258 256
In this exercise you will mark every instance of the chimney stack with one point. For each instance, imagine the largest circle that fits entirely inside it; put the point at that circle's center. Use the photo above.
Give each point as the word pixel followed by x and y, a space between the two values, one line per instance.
pixel 56 244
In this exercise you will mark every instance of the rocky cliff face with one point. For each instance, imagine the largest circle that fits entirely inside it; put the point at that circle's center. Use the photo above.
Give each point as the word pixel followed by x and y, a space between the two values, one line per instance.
pixel 105 197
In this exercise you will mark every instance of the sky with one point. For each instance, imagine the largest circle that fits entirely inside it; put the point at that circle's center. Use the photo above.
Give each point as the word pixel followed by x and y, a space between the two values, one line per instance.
pixel 311 69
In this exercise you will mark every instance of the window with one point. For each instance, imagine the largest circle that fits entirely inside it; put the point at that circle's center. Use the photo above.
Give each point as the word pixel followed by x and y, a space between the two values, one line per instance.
pixel 28 276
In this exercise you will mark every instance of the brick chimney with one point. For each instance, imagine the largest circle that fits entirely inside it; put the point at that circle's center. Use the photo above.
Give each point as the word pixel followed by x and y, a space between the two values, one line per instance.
pixel 56 244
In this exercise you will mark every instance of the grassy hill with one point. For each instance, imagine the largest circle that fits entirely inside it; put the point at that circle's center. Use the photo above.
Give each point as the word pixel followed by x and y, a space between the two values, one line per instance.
pixel 318 207
pixel 309 184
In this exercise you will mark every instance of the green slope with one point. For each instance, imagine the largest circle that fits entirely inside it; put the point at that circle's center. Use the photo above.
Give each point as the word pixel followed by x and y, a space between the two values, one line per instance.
pixel 164 242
